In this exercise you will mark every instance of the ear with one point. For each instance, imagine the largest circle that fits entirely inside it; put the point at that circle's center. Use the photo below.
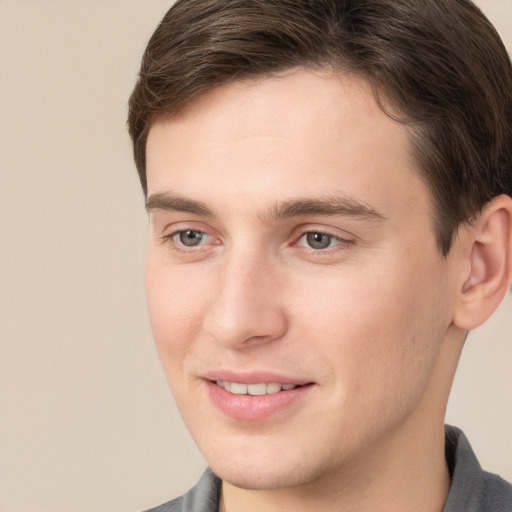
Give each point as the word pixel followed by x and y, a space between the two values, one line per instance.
pixel 487 247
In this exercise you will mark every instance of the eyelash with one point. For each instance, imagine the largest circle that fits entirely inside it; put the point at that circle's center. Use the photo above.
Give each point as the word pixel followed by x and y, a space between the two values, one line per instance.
pixel 183 249
pixel 180 247
pixel 343 242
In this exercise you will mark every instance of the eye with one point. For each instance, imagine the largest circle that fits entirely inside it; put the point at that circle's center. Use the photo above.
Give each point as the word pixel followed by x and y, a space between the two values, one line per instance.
pixel 190 237
pixel 319 241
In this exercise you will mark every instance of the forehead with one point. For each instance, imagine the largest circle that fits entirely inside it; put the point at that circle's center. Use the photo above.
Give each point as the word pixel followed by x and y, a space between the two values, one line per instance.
pixel 281 105
pixel 300 134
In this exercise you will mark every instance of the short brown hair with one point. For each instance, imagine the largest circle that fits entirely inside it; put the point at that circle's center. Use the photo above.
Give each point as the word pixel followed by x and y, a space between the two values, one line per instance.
pixel 440 67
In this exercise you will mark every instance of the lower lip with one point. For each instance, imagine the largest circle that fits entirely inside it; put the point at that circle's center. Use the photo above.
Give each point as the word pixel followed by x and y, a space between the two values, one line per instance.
pixel 254 407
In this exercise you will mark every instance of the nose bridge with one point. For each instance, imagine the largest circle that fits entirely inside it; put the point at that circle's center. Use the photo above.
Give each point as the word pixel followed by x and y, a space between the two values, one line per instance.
pixel 246 305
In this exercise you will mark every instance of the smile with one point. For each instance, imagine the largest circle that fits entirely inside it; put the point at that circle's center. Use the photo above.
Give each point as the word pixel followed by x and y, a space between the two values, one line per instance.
pixel 256 401
pixel 254 389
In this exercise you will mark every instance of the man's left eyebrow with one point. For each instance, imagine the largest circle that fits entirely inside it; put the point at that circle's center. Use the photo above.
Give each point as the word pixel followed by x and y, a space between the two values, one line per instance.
pixel 330 206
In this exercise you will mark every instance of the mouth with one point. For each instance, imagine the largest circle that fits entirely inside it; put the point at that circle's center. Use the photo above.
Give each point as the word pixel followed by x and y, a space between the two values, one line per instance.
pixel 259 389
pixel 257 399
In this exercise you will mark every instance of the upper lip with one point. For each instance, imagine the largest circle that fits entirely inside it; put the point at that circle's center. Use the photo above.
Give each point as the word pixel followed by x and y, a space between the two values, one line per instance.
pixel 255 377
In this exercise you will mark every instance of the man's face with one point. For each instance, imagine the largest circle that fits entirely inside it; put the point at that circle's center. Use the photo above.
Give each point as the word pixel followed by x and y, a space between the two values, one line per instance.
pixel 291 243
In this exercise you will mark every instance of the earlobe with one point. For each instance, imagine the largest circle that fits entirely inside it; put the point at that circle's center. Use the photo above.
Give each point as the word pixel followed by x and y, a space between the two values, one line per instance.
pixel 488 249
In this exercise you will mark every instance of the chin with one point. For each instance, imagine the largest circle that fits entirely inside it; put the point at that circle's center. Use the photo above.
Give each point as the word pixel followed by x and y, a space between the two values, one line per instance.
pixel 268 467
pixel 262 479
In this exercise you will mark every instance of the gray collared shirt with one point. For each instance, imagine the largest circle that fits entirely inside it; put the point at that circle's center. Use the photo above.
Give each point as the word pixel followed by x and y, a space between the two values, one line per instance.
pixel 471 490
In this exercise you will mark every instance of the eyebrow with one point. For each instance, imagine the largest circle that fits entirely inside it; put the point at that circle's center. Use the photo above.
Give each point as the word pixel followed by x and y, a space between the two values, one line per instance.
pixel 329 207
pixel 169 202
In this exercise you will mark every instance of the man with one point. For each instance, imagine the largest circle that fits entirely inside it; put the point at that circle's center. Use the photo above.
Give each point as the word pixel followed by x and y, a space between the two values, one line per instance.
pixel 329 188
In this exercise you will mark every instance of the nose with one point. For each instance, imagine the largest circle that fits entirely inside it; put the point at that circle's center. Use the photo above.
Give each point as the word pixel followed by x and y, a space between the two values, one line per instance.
pixel 247 307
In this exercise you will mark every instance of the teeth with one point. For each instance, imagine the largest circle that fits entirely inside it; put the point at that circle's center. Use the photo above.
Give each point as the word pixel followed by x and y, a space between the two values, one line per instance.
pixel 273 388
pixel 257 389
pixel 238 389
pixel 254 389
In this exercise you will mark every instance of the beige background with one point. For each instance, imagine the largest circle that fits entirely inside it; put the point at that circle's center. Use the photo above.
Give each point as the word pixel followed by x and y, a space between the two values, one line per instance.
pixel 86 420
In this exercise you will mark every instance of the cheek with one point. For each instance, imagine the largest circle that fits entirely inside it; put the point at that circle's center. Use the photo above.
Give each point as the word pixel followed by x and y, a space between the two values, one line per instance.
pixel 176 307
pixel 378 334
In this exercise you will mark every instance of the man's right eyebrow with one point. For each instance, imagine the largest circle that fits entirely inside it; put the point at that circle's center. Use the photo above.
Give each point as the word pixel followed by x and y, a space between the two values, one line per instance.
pixel 172 203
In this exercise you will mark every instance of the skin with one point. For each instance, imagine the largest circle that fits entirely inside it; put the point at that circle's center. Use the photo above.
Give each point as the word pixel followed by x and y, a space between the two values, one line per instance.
pixel 368 320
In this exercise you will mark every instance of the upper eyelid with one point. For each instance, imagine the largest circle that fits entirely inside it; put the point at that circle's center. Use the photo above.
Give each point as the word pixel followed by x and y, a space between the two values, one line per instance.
pixel 172 234
pixel 176 231
pixel 330 235
pixel 177 227
pixel 324 230
pixel 339 239
pixel 326 233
